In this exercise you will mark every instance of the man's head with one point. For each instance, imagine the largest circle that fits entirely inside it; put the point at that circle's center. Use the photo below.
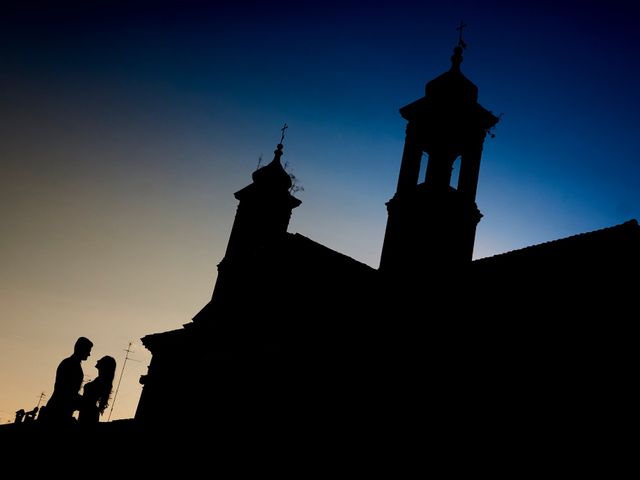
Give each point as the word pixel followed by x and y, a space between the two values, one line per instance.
pixel 82 349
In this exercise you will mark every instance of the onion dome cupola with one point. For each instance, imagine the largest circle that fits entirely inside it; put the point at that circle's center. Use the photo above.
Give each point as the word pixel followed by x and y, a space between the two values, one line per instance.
pixel 273 175
pixel 452 86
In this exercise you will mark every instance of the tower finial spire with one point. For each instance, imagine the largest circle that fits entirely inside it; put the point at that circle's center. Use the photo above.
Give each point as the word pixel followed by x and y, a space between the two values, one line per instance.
pixel 278 151
pixel 456 58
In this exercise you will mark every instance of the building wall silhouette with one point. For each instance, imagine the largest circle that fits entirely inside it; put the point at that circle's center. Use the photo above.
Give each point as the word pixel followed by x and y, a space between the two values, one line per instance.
pixel 298 334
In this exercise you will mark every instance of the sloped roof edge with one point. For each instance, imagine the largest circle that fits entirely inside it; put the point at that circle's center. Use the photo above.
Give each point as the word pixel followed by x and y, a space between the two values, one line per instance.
pixel 630 225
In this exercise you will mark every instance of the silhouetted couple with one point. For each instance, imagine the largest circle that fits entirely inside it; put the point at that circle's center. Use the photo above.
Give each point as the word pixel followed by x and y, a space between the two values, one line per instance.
pixel 66 398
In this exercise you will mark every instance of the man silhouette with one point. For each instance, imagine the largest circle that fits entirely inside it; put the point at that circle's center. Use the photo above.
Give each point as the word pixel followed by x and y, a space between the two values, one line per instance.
pixel 65 398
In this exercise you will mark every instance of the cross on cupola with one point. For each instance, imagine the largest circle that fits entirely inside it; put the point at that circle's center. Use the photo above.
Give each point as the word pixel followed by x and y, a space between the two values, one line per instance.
pixel 284 127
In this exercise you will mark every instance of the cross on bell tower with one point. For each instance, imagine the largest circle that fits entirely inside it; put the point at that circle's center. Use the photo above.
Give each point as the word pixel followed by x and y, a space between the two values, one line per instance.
pixel 431 224
pixel 460 28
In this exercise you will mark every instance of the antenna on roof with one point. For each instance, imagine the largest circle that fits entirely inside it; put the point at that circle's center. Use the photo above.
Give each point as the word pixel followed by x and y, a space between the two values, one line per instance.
pixel 115 395
pixel 42 395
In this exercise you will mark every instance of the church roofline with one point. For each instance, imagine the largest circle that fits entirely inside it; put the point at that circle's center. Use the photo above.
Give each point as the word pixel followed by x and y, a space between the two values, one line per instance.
pixel 630 226
pixel 328 251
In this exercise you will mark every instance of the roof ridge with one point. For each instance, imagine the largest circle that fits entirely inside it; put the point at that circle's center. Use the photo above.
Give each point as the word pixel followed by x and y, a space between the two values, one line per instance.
pixel 629 223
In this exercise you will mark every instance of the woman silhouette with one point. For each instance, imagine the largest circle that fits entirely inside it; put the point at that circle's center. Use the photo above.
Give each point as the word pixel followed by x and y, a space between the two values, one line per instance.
pixel 95 396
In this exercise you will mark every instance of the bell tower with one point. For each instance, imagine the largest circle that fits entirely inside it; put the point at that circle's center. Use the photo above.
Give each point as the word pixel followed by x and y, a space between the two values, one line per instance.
pixel 261 220
pixel 431 225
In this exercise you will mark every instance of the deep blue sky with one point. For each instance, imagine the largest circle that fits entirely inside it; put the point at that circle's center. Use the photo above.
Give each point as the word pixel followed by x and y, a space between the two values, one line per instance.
pixel 125 128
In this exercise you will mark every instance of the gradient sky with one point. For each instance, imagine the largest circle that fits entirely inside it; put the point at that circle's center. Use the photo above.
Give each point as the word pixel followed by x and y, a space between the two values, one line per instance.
pixel 126 127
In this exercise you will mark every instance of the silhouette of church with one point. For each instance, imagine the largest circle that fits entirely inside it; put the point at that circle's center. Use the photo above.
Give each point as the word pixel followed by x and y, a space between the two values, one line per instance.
pixel 298 333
